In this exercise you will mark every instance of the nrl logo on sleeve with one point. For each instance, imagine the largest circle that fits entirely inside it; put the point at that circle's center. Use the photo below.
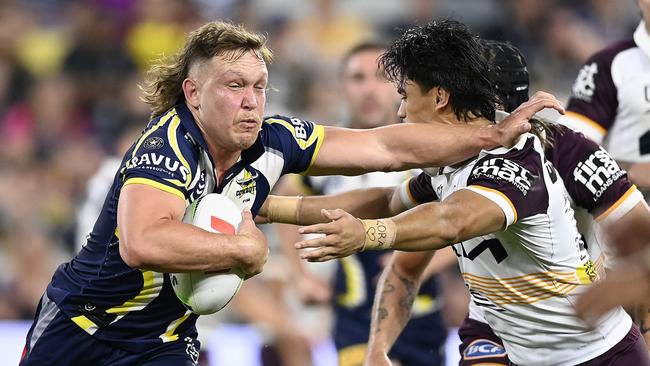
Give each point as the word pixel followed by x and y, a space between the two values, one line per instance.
pixel 505 170
pixel 483 348
pixel 153 143
pixel 585 86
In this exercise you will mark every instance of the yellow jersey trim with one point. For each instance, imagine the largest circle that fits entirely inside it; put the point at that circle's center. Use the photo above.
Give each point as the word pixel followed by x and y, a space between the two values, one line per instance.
pixel 153 183
pixel 86 324
pixel 617 203
pixel 160 123
pixel 514 210
pixel 173 141
pixel 319 136
pixel 169 335
pixel 590 122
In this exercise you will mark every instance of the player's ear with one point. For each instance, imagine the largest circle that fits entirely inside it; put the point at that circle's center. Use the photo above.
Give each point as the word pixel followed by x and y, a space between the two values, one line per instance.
pixel 441 98
pixel 191 91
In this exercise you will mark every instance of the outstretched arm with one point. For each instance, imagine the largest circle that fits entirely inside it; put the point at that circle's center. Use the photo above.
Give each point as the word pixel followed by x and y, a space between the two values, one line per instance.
pixel 406 146
pixel 463 215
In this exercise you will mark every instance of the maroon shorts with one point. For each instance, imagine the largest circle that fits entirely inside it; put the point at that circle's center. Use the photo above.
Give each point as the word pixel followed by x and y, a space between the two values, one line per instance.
pixel 479 344
pixel 631 350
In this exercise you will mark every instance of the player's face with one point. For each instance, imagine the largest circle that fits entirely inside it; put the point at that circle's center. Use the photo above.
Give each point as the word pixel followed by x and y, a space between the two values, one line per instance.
pixel 416 106
pixel 371 99
pixel 232 94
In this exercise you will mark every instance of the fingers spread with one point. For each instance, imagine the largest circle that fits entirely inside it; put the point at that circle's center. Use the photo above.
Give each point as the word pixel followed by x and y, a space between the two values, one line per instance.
pixel 318 229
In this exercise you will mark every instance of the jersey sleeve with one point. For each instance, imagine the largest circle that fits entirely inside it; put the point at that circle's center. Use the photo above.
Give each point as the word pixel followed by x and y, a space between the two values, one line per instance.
pixel 514 181
pixel 592 177
pixel 593 103
pixel 161 158
pixel 417 190
pixel 297 141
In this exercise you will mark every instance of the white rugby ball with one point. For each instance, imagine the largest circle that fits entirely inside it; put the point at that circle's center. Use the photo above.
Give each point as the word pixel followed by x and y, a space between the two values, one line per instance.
pixel 208 292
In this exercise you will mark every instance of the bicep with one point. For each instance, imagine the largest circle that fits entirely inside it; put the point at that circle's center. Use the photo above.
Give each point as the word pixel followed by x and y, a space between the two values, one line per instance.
pixel 474 214
pixel 141 207
pixel 347 151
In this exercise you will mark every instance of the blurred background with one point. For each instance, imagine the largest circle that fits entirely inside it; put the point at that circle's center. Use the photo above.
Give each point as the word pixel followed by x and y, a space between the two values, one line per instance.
pixel 69 104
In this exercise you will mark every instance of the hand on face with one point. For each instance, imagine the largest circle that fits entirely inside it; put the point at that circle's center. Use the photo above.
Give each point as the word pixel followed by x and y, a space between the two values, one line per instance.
pixel 344 235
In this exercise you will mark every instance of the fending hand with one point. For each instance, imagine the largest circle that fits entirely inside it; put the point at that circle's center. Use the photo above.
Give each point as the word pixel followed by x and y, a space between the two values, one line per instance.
pixel 344 235
pixel 518 123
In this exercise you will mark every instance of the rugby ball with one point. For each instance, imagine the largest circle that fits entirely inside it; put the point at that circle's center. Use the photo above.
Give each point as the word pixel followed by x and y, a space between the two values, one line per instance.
pixel 208 292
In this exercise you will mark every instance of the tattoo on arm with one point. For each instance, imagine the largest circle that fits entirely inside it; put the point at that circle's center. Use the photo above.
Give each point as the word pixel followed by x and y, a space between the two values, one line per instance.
pixel 382 311
pixel 406 302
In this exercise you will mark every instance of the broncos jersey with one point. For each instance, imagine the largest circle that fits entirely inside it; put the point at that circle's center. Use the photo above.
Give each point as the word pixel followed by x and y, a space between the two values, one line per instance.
pixel 524 279
pixel 137 309
pixel 356 279
pixel 610 101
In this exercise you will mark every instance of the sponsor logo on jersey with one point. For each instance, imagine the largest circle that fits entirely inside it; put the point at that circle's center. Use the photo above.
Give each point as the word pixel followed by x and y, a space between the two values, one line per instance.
pixel 153 143
pixel 299 127
pixel 158 162
pixel 247 183
pixel 483 348
pixel 597 172
pixel 584 87
pixel 505 170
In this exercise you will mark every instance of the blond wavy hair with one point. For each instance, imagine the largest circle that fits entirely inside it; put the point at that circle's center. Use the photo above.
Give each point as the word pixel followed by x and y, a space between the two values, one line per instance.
pixel 163 85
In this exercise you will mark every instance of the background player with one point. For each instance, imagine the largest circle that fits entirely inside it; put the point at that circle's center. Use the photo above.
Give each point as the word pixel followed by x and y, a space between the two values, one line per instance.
pixel 372 101
pixel 610 101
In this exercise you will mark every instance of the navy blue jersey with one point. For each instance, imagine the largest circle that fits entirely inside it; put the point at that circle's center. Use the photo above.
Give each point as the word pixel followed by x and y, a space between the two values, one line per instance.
pixel 137 309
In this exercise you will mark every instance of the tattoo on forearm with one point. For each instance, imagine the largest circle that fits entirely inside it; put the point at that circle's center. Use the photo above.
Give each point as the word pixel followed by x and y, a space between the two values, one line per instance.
pixel 406 302
pixel 382 311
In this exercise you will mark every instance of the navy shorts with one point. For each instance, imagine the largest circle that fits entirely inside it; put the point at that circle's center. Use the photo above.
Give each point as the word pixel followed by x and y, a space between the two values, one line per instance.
pixel 479 345
pixel 55 340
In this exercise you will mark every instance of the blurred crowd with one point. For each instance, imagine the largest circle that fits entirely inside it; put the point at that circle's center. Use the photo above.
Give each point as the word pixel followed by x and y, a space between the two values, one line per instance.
pixel 69 96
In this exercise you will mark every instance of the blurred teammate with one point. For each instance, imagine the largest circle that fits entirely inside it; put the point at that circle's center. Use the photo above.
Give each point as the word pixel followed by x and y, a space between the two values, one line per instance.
pixel 372 102
pixel 524 276
pixel 610 101
pixel 113 303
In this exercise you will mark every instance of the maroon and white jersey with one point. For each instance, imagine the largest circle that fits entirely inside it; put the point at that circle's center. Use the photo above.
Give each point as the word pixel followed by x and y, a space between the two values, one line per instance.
pixel 524 279
pixel 610 101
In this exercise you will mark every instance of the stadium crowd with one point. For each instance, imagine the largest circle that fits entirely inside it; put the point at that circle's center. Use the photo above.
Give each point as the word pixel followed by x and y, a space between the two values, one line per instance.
pixel 69 96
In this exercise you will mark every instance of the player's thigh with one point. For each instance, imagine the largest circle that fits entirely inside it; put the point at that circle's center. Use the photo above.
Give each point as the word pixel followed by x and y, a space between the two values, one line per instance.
pixel 54 339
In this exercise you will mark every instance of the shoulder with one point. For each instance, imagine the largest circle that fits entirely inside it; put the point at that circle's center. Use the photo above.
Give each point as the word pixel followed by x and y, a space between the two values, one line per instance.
pixel 607 54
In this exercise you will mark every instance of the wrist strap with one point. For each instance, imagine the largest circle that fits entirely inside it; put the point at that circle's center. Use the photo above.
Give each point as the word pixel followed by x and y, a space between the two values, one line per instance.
pixel 284 209
pixel 380 234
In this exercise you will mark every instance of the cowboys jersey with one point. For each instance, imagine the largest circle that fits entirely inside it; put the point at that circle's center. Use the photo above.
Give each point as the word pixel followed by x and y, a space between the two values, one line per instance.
pixel 524 278
pixel 137 309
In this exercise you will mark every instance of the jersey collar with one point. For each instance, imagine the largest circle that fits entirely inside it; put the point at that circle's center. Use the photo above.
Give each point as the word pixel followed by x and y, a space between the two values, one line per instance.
pixel 642 38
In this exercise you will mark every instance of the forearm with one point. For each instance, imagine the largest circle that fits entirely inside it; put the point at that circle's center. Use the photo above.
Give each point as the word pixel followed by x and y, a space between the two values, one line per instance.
pixel 391 309
pixel 363 203
pixel 400 147
pixel 172 246
pixel 431 145
pixel 425 227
